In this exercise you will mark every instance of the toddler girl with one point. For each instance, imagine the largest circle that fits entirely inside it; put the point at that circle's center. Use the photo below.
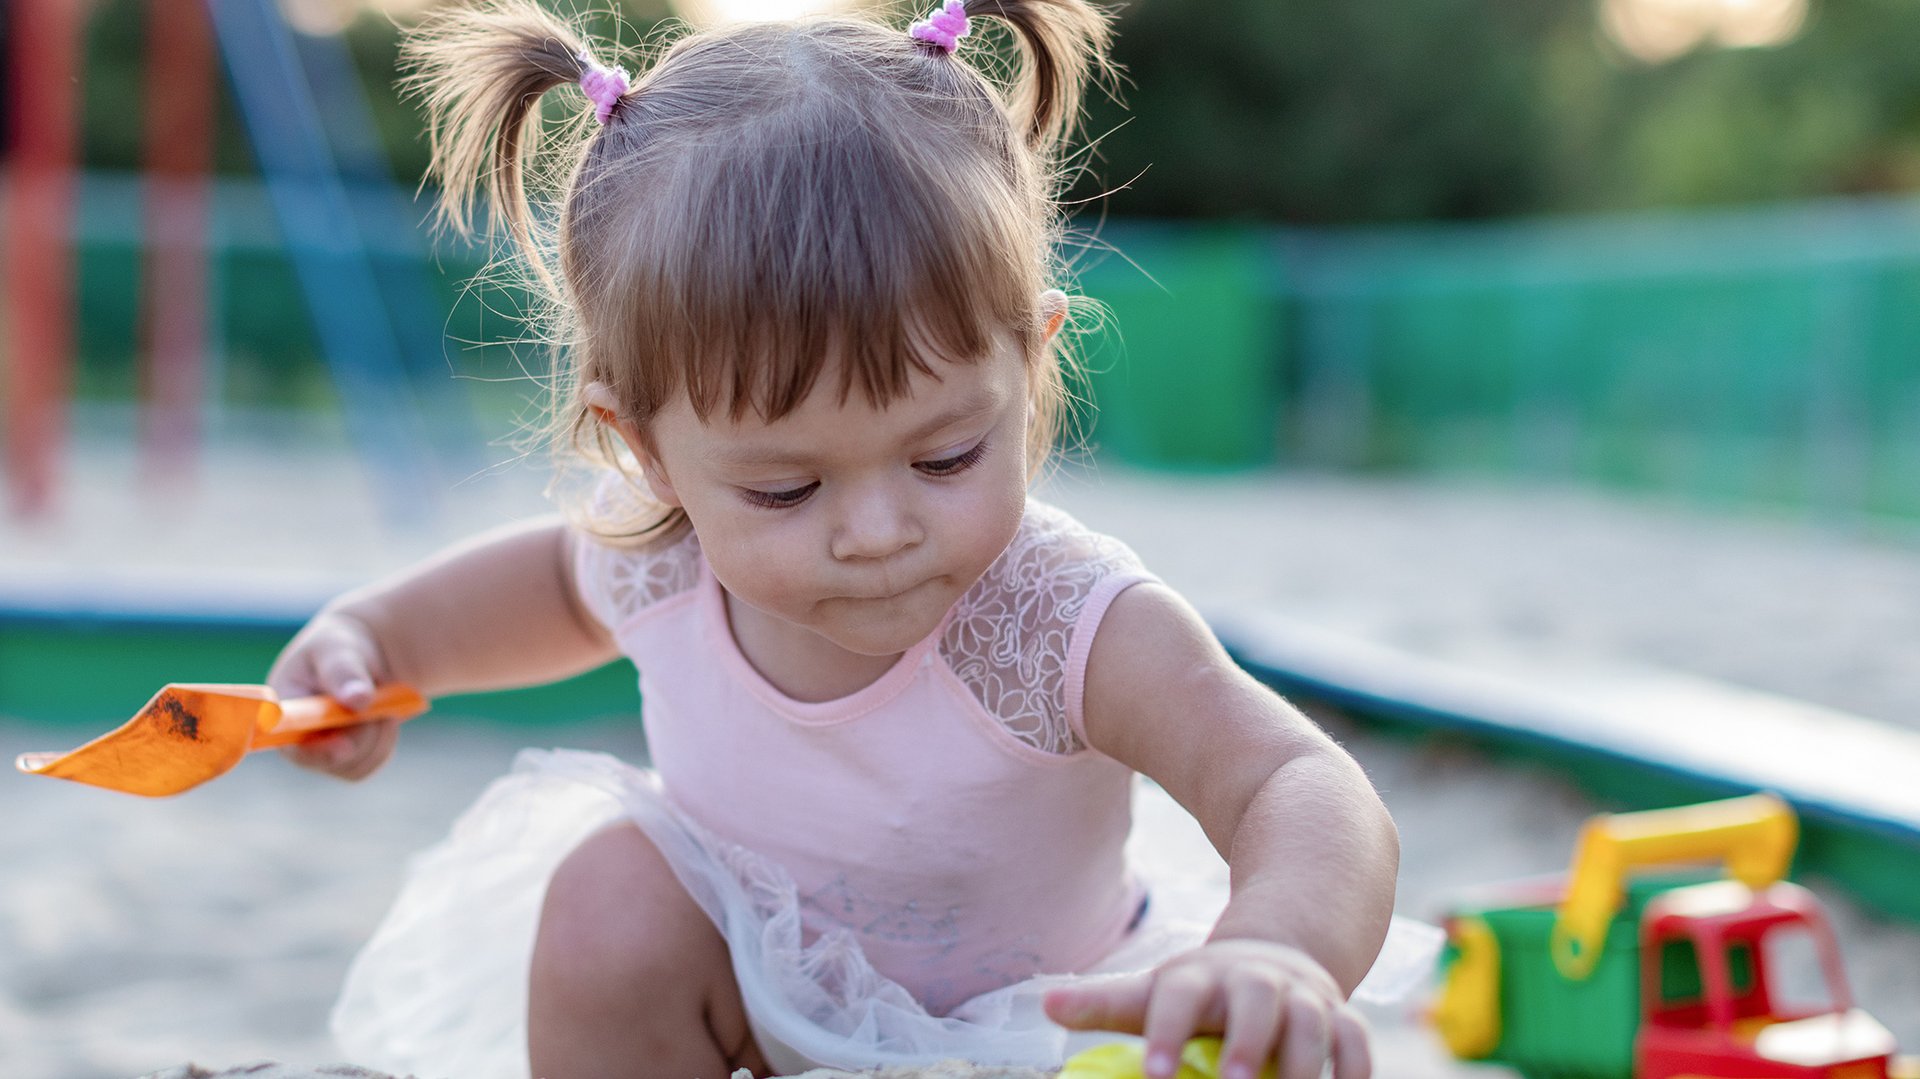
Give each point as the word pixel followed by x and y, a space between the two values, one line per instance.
pixel 894 707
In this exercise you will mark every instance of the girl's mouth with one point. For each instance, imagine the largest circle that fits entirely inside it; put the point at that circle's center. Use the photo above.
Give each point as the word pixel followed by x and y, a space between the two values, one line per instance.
pixel 881 597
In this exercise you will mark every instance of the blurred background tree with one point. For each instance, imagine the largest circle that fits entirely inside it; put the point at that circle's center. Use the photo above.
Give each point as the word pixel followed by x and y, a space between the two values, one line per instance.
pixel 1317 111
pixel 1327 111
pixel 1321 111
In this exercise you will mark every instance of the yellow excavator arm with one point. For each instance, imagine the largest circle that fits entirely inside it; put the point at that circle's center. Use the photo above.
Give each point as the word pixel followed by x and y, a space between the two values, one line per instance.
pixel 1754 837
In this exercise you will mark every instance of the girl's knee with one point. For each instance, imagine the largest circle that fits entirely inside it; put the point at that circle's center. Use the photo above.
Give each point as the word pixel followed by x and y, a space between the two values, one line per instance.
pixel 615 911
pixel 626 966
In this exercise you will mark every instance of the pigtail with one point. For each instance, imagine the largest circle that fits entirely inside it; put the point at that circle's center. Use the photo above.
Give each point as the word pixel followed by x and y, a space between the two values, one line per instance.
pixel 481 71
pixel 1065 45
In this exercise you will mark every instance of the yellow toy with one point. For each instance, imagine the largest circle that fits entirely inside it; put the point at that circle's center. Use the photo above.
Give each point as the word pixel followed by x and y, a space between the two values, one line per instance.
pixel 1127 1060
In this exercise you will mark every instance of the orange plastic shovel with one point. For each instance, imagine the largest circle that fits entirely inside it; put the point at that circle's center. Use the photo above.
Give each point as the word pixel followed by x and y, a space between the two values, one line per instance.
pixel 188 734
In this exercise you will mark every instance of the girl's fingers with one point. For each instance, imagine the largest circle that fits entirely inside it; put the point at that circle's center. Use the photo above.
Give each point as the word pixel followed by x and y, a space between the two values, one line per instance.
pixel 1262 1013
pixel 1352 1053
pixel 292 676
pixel 1119 1004
pixel 334 656
pixel 1181 996
pixel 344 676
pixel 334 751
pixel 1255 1002
pixel 322 752
pixel 1305 1039
pixel 351 753
pixel 376 745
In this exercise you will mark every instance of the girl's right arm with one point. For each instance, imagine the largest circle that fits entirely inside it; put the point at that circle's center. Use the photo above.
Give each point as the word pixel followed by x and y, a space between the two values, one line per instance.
pixel 495 612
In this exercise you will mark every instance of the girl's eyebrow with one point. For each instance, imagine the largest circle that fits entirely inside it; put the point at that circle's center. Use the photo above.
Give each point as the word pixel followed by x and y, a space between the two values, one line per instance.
pixel 977 405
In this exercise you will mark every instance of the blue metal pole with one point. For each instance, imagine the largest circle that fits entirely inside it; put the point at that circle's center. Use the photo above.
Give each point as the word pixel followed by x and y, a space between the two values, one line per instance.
pixel 329 255
pixel 385 209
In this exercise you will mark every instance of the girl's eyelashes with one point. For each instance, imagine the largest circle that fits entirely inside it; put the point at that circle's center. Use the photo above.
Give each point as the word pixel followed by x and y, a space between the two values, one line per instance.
pixel 948 466
pixel 945 466
pixel 778 500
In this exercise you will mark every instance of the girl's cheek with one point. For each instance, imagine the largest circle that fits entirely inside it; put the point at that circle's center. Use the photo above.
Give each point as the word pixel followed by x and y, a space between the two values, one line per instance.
pixel 771 556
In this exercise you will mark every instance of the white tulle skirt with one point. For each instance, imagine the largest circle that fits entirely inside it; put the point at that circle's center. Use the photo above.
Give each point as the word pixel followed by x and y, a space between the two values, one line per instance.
pixel 441 989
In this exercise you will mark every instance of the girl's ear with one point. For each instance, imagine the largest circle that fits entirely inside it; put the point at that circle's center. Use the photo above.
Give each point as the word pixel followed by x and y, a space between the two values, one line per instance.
pixel 606 410
pixel 1053 310
pixel 599 399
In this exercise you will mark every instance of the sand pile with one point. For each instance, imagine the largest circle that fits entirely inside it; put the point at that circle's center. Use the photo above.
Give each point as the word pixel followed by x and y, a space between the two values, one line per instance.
pixel 269 1070
pixel 950 1069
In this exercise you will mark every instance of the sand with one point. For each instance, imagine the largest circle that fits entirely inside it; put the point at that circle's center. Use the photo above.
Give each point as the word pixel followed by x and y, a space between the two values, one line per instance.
pixel 949 1069
pixel 215 927
pixel 269 1070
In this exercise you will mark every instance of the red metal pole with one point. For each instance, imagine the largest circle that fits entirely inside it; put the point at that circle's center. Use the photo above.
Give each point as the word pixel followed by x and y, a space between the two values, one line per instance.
pixel 179 153
pixel 38 326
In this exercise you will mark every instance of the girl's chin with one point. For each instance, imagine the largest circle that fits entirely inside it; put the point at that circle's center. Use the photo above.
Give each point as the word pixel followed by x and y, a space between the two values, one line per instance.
pixel 883 635
pixel 868 642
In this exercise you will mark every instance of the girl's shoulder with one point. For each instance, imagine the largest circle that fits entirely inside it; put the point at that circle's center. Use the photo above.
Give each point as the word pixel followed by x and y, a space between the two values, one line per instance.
pixel 1020 636
pixel 1051 537
pixel 619 573
pixel 1055 562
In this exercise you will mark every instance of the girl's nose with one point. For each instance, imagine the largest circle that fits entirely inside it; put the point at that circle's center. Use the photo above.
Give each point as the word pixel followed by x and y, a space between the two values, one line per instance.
pixel 874 525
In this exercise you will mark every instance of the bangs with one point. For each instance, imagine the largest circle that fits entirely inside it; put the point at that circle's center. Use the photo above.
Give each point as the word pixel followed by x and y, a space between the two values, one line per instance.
pixel 817 244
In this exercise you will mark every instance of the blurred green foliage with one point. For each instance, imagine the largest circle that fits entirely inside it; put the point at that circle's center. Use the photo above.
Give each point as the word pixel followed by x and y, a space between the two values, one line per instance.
pixel 1326 111
pixel 1323 111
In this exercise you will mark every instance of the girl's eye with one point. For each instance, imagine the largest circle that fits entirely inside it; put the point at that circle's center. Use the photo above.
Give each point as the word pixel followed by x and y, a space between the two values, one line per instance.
pixel 948 466
pixel 778 500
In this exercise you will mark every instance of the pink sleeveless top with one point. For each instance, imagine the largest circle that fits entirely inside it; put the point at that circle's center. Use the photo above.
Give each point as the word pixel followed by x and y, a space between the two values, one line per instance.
pixel 950 815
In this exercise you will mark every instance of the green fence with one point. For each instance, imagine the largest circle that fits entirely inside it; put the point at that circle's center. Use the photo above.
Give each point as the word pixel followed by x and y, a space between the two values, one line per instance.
pixel 1768 355
pixel 1753 356
pixel 1185 367
pixel 264 351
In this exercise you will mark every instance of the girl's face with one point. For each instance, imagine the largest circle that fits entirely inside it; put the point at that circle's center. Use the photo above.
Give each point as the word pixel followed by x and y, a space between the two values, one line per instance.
pixel 861 525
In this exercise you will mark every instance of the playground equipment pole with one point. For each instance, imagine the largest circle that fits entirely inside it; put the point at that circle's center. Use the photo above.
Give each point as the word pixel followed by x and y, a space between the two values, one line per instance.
pixel 38 334
pixel 329 252
pixel 180 124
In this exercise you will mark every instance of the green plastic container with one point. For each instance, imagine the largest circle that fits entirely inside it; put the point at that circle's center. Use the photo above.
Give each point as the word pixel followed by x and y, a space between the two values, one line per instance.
pixel 1553 1027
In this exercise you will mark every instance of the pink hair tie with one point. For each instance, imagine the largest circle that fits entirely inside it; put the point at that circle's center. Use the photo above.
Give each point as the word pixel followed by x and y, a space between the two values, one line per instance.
pixel 944 28
pixel 604 86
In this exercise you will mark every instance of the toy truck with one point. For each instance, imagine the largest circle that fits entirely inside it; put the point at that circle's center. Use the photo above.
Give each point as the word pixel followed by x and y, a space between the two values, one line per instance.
pixel 1612 973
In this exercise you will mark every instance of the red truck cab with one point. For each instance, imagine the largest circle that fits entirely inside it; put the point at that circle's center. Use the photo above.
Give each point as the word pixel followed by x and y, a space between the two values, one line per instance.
pixel 1749 983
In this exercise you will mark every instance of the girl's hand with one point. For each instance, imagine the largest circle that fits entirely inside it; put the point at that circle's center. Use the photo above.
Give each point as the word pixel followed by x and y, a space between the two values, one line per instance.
pixel 1267 1000
pixel 336 654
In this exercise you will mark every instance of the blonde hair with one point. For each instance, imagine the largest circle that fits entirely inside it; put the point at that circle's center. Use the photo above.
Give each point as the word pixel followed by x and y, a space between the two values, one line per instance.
pixel 766 202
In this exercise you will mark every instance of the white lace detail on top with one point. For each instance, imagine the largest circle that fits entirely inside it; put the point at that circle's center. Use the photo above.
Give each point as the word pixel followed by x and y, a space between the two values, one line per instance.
pixel 1011 633
pixel 617 583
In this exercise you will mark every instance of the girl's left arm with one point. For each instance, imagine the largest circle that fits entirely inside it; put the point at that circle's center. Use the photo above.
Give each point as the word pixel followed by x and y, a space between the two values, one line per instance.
pixel 1312 850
